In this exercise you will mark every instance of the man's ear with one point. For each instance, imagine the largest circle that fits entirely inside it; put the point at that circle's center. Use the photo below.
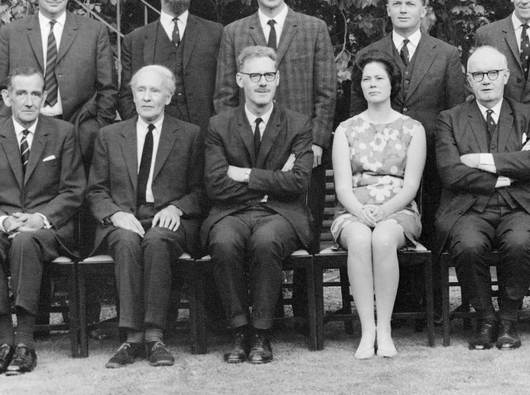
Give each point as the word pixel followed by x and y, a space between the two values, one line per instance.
pixel 239 80
pixel 44 96
pixel 5 96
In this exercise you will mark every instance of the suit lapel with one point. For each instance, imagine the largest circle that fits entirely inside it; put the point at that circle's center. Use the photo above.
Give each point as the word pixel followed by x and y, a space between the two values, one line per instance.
pixel 505 125
pixel 288 32
pixel 151 33
pixel 477 125
pixel 425 55
pixel 387 45
pixel 192 34
pixel 509 36
pixel 245 132
pixel 37 147
pixel 256 32
pixel 35 39
pixel 128 146
pixel 168 137
pixel 269 137
pixel 9 143
pixel 69 33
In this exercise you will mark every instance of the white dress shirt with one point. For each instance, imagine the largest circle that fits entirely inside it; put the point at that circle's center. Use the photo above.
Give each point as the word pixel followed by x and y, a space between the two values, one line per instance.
pixel 141 132
pixel 518 27
pixel 58 28
pixel 414 41
pixel 167 23
pixel 278 26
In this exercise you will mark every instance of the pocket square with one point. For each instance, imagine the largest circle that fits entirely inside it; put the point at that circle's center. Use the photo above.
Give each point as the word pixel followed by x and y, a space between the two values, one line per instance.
pixel 51 157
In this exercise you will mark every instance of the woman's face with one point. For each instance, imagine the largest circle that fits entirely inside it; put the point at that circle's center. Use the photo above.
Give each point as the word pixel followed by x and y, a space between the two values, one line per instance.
pixel 375 83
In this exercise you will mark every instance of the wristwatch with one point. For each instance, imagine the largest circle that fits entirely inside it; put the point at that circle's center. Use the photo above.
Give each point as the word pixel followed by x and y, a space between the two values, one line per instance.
pixel 106 221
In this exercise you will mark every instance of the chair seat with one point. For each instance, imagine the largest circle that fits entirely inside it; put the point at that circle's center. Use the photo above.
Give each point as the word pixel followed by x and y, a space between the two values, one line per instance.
pixel 62 260
pixel 103 258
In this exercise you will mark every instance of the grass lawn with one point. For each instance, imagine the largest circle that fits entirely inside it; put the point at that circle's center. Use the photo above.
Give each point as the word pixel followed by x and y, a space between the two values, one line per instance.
pixel 418 369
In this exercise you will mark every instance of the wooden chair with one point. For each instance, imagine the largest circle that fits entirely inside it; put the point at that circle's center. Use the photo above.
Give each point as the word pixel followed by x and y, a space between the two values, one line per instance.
pixel 103 266
pixel 334 258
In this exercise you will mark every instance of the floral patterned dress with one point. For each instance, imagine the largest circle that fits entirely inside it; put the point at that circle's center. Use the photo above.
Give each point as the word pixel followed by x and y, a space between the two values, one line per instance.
pixel 378 157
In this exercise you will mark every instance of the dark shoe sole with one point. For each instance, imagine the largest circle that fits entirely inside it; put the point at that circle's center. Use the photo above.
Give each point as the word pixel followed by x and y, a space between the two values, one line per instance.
pixel 509 345
pixel 259 362
pixel 109 365
pixel 162 363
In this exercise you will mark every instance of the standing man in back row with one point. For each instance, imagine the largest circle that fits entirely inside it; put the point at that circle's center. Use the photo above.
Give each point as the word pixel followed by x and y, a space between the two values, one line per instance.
pixel 510 36
pixel 432 81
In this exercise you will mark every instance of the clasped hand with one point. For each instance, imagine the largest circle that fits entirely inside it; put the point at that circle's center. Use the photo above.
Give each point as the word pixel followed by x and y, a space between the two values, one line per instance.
pixel 371 215
pixel 168 217
pixel 22 222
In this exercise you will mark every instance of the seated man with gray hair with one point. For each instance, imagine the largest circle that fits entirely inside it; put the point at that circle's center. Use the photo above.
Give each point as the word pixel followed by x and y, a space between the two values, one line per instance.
pixel 257 170
pixel 146 191
pixel 483 157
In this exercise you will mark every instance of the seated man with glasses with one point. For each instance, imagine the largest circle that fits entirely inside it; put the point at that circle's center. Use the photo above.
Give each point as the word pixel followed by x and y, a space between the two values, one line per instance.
pixel 484 163
pixel 257 170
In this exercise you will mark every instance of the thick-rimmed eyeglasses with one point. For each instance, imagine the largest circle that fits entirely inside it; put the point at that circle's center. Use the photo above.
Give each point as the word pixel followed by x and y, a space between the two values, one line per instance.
pixel 256 77
pixel 478 76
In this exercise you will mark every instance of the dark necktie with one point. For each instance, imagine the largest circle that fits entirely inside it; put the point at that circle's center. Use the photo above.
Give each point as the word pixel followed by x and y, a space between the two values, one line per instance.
pixel 405 52
pixel 24 150
pixel 272 35
pixel 491 125
pixel 257 137
pixel 145 166
pixel 175 37
pixel 51 60
pixel 525 50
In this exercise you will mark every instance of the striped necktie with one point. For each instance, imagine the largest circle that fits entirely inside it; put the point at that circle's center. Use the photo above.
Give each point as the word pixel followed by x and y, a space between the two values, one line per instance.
pixel 51 60
pixel 24 150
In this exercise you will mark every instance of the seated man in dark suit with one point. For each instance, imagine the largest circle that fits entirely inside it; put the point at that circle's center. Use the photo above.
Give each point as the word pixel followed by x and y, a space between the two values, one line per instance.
pixel 146 191
pixel 258 165
pixel 484 162
pixel 41 188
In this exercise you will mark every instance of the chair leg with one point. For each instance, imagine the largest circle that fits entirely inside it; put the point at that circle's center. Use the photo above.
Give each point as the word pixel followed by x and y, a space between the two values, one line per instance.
pixel 312 308
pixel 465 309
pixel 73 311
pixel 446 302
pixel 197 311
pixel 319 303
pixel 83 333
pixel 346 299
pixel 429 290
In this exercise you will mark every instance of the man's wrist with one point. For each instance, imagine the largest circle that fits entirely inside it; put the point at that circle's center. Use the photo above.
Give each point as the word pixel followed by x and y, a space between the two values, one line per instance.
pixel 246 178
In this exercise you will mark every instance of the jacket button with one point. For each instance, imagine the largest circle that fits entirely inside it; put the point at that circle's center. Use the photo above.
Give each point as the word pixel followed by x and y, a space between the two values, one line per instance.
pixel 405 109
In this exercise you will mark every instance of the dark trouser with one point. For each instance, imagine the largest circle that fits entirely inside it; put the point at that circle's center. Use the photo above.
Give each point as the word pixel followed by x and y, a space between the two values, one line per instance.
pixel 23 258
pixel 143 270
pixel 471 241
pixel 247 249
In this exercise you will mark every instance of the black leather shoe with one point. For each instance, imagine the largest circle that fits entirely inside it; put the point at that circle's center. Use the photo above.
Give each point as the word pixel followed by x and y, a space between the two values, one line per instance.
pixel 485 335
pixel 239 352
pixel 127 354
pixel 6 355
pixel 508 337
pixel 261 351
pixel 24 360
pixel 159 355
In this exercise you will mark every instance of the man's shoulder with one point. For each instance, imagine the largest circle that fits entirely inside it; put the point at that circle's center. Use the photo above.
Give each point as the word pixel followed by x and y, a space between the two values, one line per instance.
pixel 519 109
pixel 84 23
pixel 380 45
pixel 291 115
pixel 242 23
pixel 494 27
pixel 19 24
pixel 206 23
pixel 55 125
pixel 304 19
pixel 459 110
pixel 183 126
pixel 437 44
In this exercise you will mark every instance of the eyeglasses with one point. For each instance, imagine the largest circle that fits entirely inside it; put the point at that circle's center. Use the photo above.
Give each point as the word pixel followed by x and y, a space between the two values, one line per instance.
pixel 492 75
pixel 256 77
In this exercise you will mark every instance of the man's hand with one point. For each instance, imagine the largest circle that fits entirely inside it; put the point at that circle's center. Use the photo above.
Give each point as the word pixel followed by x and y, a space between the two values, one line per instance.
pixel 168 217
pixel 317 155
pixel 128 221
pixel 471 160
pixel 27 222
pixel 236 173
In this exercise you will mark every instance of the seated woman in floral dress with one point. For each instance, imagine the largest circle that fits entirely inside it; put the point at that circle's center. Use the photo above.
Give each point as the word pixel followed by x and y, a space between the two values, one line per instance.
pixel 378 160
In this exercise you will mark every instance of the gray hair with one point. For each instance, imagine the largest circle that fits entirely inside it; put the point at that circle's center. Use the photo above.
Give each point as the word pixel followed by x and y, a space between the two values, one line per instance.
pixel 253 52
pixel 169 79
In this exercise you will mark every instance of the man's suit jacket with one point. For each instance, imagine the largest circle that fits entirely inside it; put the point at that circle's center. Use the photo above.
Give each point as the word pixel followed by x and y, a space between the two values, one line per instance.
pixel 501 35
pixel 308 77
pixel 200 61
pixel 437 82
pixel 54 182
pixel 230 142
pixel 85 64
pixel 462 130
pixel 177 177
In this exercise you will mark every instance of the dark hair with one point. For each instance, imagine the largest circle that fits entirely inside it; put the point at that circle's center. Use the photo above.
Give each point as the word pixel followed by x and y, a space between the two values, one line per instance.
pixel 424 2
pixel 22 72
pixel 390 65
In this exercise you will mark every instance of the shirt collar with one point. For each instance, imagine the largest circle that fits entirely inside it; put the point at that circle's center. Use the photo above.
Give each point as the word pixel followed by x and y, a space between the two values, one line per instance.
pixel 279 19
pixel 142 125
pixel 496 110
pixel 167 19
pixel 414 39
pixel 44 21
pixel 19 128
pixel 252 118
pixel 516 22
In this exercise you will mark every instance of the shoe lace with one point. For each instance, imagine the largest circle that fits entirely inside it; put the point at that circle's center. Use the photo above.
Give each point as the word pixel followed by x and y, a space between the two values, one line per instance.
pixel 159 346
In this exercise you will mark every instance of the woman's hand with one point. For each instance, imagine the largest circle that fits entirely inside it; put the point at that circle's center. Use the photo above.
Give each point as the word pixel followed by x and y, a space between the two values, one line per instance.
pixel 377 212
pixel 367 217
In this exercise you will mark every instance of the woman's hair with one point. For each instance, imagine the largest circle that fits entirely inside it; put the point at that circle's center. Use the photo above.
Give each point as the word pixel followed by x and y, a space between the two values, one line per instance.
pixel 389 64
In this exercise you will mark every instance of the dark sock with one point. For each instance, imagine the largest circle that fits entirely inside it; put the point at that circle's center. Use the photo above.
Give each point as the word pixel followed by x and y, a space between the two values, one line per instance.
pixel 262 332
pixel 134 336
pixel 7 336
pixel 153 334
pixel 509 309
pixel 25 327
pixel 244 329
